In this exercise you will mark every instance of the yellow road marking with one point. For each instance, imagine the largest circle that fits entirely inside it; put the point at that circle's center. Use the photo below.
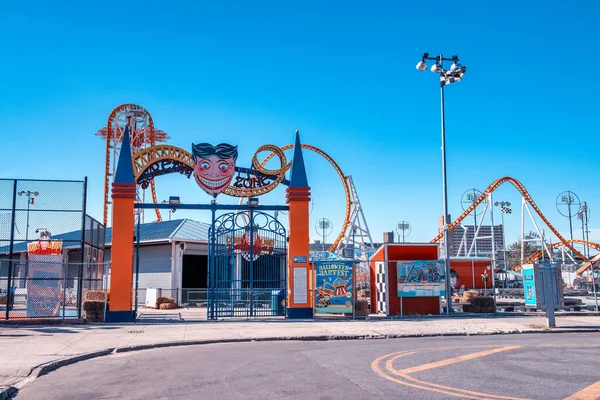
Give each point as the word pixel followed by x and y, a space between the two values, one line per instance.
pixel 460 392
pixel 378 371
pixel 589 393
pixel 454 360
pixel 389 367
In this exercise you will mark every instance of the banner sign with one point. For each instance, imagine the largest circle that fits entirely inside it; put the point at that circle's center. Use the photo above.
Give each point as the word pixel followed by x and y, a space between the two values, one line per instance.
pixel 45 277
pixel 334 287
pixel 421 278
pixel 245 244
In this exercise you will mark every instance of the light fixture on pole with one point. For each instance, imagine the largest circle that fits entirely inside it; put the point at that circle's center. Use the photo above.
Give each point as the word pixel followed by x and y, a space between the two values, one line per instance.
pixel 324 228
pixel 454 74
pixel 567 204
pixel 584 215
pixel 403 229
pixel 30 200
pixel 504 210
pixel 171 210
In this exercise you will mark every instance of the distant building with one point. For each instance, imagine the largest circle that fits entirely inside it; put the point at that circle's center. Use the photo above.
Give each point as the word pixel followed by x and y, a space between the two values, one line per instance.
pixel 484 242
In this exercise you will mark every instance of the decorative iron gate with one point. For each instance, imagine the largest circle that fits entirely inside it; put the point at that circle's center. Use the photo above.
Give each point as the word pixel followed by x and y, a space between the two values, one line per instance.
pixel 247 265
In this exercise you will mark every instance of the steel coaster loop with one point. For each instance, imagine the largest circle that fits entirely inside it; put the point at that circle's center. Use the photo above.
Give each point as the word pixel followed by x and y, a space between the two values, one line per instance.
pixel 275 151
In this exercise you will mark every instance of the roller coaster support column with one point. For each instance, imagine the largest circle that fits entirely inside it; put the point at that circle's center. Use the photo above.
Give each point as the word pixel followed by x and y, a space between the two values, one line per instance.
pixel 454 74
pixel 300 274
pixel 121 276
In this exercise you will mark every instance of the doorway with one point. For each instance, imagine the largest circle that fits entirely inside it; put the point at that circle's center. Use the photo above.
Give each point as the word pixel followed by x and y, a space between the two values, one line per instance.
pixel 194 279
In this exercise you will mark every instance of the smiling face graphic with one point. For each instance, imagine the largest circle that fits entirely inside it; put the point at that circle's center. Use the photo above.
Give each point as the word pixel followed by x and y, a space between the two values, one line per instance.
pixel 214 166
pixel 214 174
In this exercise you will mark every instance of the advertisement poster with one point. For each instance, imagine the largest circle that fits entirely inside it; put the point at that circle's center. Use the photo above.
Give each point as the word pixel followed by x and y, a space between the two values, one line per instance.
pixel 45 277
pixel 334 286
pixel 529 285
pixel 421 278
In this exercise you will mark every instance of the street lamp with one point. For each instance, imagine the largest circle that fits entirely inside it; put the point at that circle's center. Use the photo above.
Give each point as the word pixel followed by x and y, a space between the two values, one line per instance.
pixel 170 209
pixel 584 215
pixel 30 200
pixel 505 210
pixel 324 227
pixel 571 200
pixel 454 74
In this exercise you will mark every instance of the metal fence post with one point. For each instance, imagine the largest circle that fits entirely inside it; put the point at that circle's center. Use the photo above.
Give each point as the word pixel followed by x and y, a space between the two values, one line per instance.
pixel 84 217
pixel 11 247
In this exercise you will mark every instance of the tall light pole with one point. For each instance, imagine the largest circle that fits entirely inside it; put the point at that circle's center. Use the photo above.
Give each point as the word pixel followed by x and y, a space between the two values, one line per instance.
pixel 30 200
pixel 454 74
pixel 584 215
pixel 571 200
pixel 324 227
pixel 505 210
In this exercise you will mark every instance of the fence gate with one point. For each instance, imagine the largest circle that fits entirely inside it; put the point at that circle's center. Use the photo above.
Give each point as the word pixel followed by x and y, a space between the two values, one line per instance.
pixel 247 266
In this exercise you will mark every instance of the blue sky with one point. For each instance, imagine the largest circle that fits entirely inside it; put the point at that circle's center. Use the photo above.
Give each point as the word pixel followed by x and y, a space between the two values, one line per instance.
pixel 342 72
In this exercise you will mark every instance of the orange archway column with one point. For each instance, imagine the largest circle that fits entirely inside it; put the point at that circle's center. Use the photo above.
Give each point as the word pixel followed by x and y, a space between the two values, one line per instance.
pixel 121 272
pixel 299 298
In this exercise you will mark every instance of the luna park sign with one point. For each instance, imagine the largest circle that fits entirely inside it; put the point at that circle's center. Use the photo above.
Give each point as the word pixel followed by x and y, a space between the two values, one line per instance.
pixel 214 168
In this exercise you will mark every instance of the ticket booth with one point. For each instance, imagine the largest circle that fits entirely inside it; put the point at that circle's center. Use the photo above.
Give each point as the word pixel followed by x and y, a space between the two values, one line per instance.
pixel 385 277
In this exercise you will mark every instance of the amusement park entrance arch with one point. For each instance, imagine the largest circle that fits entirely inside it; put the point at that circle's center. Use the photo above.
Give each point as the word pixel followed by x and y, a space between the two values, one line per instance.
pixel 214 170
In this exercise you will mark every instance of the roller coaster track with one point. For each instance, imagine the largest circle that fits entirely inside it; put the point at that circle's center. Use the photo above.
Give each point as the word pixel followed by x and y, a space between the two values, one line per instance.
pixel 519 186
pixel 537 255
pixel 337 168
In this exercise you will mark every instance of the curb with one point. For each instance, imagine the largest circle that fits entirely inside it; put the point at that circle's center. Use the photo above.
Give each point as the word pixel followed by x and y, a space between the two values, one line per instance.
pixel 43 369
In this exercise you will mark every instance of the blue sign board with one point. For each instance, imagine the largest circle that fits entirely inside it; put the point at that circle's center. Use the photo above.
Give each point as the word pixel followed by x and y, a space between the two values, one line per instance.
pixel 529 285
pixel 421 278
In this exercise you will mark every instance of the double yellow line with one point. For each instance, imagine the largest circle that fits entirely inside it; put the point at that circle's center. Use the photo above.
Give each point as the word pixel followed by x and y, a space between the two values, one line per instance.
pixel 403 376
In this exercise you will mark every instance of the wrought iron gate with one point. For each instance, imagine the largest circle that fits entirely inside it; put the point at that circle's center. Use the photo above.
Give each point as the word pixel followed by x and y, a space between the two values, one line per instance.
pixel 247 266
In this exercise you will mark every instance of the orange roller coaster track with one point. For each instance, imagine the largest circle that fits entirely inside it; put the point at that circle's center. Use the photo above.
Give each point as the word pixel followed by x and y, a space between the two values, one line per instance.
pixel 537 255
pixel 143 134
pixel 527 198
pixel 337 168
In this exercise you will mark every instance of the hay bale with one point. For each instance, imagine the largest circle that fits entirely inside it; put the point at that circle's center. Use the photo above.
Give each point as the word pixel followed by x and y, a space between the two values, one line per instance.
pixel 167 306
pixel 468 295
pixel 94 295
pixel 92 306
pixel 164 300
pixel 481 304
pixel 94 317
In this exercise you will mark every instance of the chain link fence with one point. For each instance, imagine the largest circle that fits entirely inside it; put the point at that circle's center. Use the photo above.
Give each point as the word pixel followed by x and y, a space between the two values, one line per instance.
pixel 50 290
pixel 51 252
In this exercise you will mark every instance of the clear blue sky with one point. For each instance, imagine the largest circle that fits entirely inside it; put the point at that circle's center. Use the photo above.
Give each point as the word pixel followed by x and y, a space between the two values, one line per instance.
pixel 342 72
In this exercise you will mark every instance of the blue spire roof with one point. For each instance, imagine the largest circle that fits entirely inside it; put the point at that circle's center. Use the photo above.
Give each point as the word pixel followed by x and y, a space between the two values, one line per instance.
pixel 298 178
pixel 124 172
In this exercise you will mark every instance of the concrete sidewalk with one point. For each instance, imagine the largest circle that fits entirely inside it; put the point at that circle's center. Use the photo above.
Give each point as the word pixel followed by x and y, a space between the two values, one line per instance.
pixel 28 350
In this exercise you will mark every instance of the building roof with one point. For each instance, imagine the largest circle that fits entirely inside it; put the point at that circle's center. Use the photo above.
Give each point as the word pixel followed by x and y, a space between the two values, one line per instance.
pixel 179 229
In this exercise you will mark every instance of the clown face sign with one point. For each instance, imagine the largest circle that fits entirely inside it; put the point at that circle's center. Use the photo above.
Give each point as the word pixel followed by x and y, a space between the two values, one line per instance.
pixel 214 166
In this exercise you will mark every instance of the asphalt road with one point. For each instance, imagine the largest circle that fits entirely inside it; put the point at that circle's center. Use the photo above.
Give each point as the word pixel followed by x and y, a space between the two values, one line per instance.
pixel 544 366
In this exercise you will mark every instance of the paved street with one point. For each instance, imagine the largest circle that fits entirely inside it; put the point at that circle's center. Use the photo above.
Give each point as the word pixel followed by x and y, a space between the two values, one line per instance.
pixel 536 366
